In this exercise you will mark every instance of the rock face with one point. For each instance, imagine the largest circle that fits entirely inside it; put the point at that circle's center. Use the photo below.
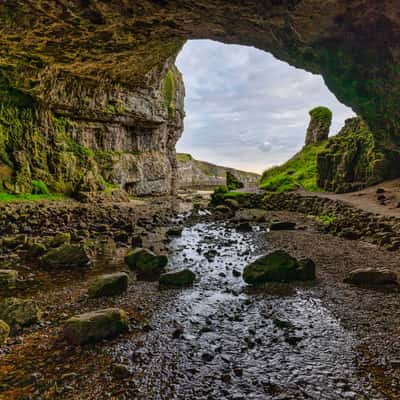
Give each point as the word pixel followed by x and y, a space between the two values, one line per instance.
pixel 96 325
pixel 278 267
pixel 318 129
pixel 4 332
pixel 87 98
pixel 200 174
pixel 353 159
pixel 8 278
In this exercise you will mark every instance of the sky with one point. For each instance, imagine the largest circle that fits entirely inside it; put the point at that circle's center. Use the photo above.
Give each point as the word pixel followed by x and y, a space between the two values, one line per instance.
pixel 246 109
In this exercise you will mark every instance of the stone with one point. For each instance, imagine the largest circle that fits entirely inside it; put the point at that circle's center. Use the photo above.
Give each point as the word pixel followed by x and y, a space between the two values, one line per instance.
pixel 244 227
pixel 278 266
pixel 4 332
pixel 94 326
pixel 121 371
pixel 60 239
pixel 109 285
pixel 371 276
pixel 8 278
pixel 146 264
pixel 232 204
pixel 175 231
pixel 66 256
pixel 18 313
pixel 320 123
pixel 184 277
pixel 307 270
pixel 282 226
pixel 250 215
pixel 37 249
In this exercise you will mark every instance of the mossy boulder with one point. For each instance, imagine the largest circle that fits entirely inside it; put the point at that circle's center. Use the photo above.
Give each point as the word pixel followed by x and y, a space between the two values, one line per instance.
pixel 146 264
pixel 320 123
pixel 181 278
pixel 94 326
pixel 4 332
pixel 66 256
pixel 8 278
pixel 37 249
pixel 60 239
pixel 278 266
pixel 109 285
pixel 18 313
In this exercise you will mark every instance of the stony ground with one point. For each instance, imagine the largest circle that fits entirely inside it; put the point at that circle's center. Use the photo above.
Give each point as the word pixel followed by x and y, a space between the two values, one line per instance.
pixel 37 364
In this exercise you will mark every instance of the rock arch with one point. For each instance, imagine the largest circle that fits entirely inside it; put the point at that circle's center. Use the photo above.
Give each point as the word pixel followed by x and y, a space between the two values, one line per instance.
pixel 105 62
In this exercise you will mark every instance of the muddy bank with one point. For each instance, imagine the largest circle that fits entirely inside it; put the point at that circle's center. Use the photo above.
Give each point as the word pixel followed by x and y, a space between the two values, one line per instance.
pixel 218 339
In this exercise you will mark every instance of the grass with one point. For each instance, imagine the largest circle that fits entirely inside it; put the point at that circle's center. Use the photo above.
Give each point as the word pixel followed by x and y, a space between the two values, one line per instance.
pixel 6 197
pixel 326 219
pixel 299 171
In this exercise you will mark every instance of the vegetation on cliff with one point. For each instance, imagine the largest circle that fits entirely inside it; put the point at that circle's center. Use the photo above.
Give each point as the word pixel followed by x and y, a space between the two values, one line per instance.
pixel 299 172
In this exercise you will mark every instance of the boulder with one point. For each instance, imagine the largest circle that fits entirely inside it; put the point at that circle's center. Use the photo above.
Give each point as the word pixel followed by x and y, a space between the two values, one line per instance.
pixel 109 285
pixel 175 231
pixel 184 277
pixel 282 226
pixel 146 264
pixel 66 256
pixel 36 249
pixel 250 214
pixel 96 325
pixel 60 239
pixel 18 313
pixel 371 276
pixel 4 332
pixel 278 267
pixel 8 278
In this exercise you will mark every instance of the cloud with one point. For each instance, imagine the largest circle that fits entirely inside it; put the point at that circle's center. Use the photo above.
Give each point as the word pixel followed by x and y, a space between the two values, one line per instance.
pixel 245 108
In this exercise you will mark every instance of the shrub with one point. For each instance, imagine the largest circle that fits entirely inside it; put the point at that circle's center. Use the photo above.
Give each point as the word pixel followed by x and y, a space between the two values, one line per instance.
pixel 39 187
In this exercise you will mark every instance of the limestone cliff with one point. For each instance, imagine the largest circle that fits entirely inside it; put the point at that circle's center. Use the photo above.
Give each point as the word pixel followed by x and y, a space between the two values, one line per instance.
pixel 79 77
pixel 195 174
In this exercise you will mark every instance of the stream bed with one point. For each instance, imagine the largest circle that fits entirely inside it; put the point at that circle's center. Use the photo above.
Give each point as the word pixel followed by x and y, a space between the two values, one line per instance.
pixel 222 340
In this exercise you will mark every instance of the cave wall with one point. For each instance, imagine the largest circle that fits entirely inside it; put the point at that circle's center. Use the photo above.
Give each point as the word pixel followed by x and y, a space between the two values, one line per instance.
pixel 102 65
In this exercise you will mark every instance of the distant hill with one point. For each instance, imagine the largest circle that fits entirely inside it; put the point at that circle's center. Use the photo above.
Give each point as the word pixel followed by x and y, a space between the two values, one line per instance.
pixel 201 174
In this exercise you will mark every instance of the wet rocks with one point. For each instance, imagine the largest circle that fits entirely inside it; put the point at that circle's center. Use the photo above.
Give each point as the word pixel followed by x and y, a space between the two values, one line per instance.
pixel 8 278
pixel 175 231
pixel 4 332
pixel 146 264
pixel 371 276
pixel 95 326
pixel 278 266
pixel 109 285
pixel 66 256
pixel 184 277
pixel 18 313
pixel 282 226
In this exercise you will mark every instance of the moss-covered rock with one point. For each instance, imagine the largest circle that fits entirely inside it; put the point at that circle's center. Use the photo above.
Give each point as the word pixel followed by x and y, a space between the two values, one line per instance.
pixel 181 278
pixel 4 332
pixel 278 266
pixel 60 239
pixel 146 264
pixel 36 249
pixel 109 285
pixel 353 159
pixel 371 276
pixel 318 129
pixel 66 256
pixel 8 278
pixel 18 313
pixel 95 326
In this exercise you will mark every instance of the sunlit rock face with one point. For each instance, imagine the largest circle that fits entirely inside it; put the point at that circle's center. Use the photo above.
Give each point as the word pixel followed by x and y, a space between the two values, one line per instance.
pixel 103 69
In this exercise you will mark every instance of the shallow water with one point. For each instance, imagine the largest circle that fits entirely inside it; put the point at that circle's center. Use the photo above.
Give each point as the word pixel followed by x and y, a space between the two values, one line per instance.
pixel 221 340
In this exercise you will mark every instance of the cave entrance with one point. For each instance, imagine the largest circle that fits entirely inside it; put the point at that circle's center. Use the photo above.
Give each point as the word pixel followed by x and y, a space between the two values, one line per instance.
pixel 246 109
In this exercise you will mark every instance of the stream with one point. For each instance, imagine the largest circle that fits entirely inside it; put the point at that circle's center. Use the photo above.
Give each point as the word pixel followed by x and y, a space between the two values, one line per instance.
pixel 222 340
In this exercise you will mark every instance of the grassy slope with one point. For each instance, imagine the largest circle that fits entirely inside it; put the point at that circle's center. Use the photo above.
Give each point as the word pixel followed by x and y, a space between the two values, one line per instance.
pixel 299 171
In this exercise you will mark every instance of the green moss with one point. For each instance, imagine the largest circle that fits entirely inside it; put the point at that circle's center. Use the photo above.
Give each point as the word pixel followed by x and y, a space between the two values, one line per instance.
pixel 39 187
pixel 232 182
pixel 323 115
pixel 326 219
pixel 184 157
pixel 169 93
pixel 300 171
pixel 7 197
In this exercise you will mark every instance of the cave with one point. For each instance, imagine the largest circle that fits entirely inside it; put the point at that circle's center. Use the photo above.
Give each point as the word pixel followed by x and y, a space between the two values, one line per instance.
pixel 69 65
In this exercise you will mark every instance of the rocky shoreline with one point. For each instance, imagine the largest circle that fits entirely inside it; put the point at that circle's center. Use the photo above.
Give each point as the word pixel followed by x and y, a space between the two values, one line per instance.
pixel 37 363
